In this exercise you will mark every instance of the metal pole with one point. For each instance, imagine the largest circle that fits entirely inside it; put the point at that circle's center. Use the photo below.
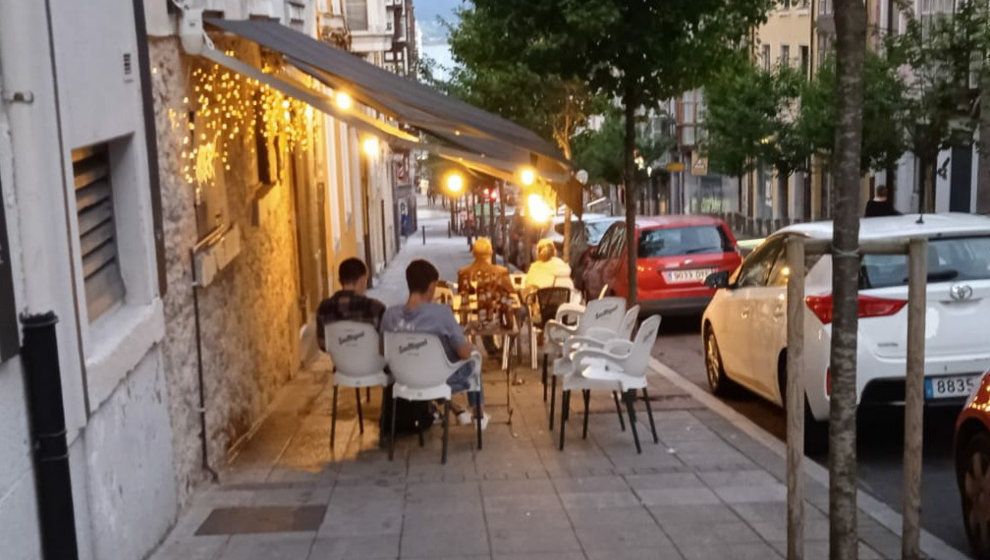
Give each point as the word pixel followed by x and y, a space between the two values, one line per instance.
pixel 914 396
pixel 795 398
pixel 424 235
pixel 51 450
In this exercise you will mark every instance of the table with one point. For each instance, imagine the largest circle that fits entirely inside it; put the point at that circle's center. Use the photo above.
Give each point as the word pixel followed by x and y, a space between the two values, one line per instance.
pixel 466 309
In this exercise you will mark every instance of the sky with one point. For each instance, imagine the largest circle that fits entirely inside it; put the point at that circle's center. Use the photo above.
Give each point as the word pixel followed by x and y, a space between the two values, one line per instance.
pixel 434 35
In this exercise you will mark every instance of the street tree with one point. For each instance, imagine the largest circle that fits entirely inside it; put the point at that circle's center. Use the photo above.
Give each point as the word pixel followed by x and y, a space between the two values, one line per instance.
pixel 517 87
pixel 640 52
pixel 938 56
pixel 850 29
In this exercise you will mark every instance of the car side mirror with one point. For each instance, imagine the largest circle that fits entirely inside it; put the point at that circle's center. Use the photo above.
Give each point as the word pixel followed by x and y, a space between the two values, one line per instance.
pixel 718 280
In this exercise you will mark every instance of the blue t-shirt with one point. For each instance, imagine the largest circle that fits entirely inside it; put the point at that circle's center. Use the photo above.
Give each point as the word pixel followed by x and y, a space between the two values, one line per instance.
pixel 429 318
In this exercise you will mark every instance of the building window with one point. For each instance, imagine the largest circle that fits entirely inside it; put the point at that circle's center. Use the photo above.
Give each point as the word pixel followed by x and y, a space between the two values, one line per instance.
pixel 97 229
pixel 766 57
pixel 785 55
pixel 357 15
pixel 805 62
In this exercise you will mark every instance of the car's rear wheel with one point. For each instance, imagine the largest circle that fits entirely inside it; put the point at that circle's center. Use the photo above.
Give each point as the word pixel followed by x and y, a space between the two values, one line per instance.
pixel 975 490
pixel 815 431
pixel 718 382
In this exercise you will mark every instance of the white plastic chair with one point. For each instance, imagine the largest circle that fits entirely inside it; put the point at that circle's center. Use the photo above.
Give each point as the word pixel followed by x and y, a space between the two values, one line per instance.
pixel 619 366
pixel 596 337
pixel 604 313
pixel 420 367
pixel 357 363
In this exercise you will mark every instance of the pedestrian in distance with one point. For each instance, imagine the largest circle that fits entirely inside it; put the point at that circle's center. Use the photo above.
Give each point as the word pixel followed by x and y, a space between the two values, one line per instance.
pixel 880 204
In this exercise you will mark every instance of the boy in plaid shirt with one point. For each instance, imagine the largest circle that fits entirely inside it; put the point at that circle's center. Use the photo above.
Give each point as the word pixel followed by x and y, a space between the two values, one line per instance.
pixel 350 302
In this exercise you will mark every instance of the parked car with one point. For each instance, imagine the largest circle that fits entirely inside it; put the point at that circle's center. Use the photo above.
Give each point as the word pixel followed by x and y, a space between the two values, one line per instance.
pixel 972 452
pixel 593 231
pixel 675 256
pixel 578 227
pixel 744 328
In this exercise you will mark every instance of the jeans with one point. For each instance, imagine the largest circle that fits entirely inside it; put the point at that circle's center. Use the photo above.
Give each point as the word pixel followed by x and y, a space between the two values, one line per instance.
pixel 460 381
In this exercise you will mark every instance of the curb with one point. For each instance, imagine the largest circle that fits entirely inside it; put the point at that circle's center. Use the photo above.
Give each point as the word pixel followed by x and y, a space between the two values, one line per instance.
pixel 882 513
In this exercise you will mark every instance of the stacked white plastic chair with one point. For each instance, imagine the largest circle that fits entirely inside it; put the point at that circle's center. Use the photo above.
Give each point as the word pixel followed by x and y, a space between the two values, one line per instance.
pixel 420 368
pixel 618 366
pixel 357 363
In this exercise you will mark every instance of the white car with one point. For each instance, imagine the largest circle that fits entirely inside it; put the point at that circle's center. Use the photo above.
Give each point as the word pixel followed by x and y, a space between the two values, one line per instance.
pixel 745 327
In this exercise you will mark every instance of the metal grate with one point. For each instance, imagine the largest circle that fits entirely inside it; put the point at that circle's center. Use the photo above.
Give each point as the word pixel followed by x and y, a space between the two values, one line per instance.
pixel 97 230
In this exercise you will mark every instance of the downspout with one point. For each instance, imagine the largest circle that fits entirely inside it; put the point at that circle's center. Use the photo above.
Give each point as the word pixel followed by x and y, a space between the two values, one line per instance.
pixel 199 370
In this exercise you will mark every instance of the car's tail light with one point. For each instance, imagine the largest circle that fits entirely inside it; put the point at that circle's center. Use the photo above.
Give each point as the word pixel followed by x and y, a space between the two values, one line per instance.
pixel 869 306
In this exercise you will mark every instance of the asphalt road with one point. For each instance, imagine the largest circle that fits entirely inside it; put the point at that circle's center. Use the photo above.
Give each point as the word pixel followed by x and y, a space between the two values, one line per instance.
pixel 880 437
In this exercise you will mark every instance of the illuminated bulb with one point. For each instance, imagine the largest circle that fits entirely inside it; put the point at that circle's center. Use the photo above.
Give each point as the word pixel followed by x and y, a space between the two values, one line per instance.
pixel 455 183
pixel 370 146
pixel 343 100
pixel 539 211
pixel 527 176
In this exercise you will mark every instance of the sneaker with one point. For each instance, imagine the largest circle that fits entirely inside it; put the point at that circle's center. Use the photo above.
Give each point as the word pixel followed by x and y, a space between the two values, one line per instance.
pixel 465 418
pixel 484 421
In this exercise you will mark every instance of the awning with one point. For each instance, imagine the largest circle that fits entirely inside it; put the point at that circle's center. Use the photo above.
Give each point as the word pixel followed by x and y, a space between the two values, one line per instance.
pixel 478 139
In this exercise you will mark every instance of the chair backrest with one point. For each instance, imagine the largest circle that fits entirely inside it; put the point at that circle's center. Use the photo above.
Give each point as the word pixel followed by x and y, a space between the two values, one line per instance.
pixel 563 282
pixel 628 325
pixel 549 300
pixel 443 295
pixel 639 357
pixel 417 360
pixel 353 347
pixel 604 313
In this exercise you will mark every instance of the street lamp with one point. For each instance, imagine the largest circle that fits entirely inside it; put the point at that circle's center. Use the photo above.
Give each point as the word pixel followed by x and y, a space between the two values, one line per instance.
pixel 370 146
pixel 539 211
pixel 527 176
pixel 455 184
pixel 343 100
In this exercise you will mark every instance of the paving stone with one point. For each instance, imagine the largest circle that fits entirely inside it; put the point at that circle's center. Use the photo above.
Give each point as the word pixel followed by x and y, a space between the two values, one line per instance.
pixel 731 533
pixel 284 546
pixel 465 539
pixel 348 548
pixel 678 497
pixel 677 515
pixel 741 551
pixel 197 548
pixel 532 533
pixel 359 519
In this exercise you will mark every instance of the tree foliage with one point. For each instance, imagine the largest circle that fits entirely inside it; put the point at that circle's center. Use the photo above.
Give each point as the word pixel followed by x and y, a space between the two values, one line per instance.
pixel 600 151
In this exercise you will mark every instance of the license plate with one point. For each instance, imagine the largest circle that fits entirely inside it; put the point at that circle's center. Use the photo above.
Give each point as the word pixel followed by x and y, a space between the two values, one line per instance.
pixel 950 386
pixel 685 276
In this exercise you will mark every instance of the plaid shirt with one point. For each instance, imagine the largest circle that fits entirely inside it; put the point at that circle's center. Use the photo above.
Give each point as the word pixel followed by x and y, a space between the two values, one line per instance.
pixel 346 305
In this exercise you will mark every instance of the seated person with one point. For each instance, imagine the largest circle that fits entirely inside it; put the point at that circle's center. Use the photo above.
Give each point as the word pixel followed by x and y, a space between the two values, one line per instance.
pixel 547 268
pixel 420 314
pixel 487 276
pixel 350 302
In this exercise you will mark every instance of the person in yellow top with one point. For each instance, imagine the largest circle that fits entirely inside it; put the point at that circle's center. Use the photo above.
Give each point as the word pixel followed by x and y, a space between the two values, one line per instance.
pixel 546 269
pixel 485 275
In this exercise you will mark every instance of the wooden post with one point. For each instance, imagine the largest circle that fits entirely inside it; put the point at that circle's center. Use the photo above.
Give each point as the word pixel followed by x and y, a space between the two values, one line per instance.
pixel 914 397
pixel 794 398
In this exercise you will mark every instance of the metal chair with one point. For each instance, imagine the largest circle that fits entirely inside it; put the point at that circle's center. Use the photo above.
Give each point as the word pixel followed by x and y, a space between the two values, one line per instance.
pixel 420 367
pixel 619 366
pixel 357 363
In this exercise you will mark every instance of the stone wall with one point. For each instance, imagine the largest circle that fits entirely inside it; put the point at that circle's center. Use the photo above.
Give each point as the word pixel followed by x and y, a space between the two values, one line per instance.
pixel 249 315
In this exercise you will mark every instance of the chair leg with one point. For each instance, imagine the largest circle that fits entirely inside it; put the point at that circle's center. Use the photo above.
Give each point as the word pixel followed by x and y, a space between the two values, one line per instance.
pixel 629 397
pixel 506 351
pixel 446 426
pixel 381 422
pixel 587 399
pixel 553 399
pixel 565 404
pixel 545 373
pixel 367 395
pixel 649 413
pixel 391 438
pixel 477 421
pixel 357 393
pixel 618 410
pixel 532 353
pixel 422 441
pixel 333 419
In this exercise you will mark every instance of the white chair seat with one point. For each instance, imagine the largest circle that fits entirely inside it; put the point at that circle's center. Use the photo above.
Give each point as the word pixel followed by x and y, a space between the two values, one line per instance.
pixel 359 382
pixel 437 392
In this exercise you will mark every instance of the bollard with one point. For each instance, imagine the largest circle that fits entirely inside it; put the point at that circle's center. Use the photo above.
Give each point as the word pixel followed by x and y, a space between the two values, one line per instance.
pixel 51 453
pixel 448 229
pixel 424 235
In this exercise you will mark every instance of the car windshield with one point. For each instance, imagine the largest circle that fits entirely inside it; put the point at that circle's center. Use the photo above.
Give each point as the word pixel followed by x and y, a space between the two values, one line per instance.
pixel 596 230
pixel 665 242
pixel 949 260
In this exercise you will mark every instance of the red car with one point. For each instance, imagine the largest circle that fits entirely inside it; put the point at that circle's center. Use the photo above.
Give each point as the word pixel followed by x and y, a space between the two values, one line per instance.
pixel 972 451
pixel 676 254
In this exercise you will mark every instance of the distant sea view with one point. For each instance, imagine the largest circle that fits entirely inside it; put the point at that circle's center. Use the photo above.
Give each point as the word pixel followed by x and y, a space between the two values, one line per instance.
pixel 428 15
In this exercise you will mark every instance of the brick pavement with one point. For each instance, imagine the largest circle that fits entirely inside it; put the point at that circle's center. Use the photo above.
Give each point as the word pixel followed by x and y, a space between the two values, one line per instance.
pixel 707 491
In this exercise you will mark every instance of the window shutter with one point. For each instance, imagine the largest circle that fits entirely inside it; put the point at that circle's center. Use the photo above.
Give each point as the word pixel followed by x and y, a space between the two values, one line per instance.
pixel 97 229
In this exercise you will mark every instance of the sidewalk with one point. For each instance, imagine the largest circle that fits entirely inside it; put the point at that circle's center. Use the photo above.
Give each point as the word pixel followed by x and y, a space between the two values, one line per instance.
pixel 709 490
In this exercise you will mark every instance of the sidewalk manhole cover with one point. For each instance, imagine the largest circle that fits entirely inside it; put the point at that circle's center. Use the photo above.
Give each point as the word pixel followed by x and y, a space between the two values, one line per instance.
pixel 267 519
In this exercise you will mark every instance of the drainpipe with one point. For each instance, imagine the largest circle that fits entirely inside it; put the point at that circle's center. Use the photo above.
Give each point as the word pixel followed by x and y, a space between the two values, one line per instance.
pixel 46 414
pixel 199 372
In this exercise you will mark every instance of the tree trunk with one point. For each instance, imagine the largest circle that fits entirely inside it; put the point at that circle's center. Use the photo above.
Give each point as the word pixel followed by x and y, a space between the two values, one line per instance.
pixel 739 203
pixel 566 148
pixel 629 105
pixel 926 194
pixel 784 194
pixel 850 24
pixel 983 177
pixel 891 173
